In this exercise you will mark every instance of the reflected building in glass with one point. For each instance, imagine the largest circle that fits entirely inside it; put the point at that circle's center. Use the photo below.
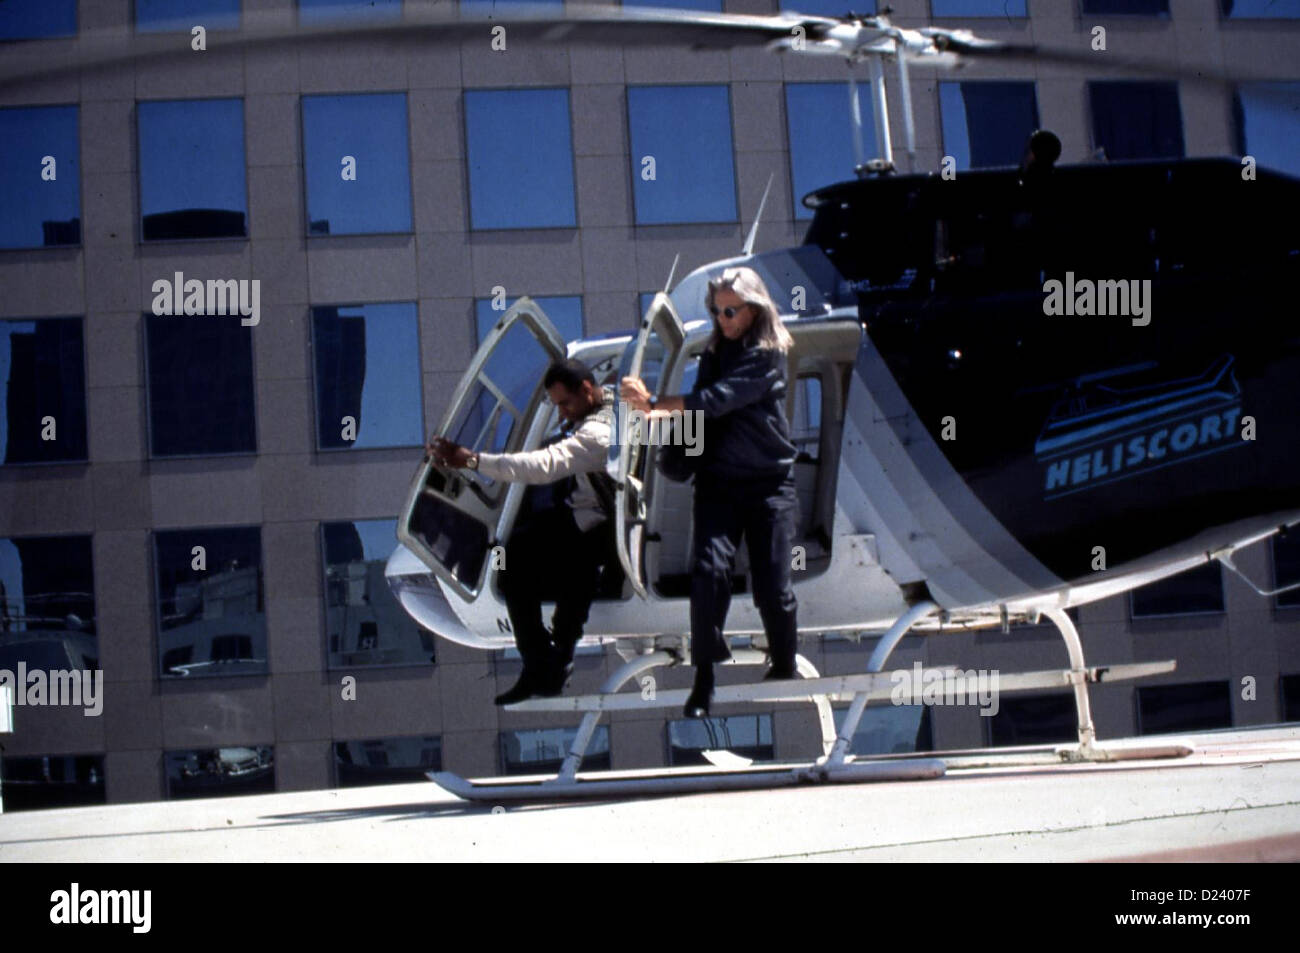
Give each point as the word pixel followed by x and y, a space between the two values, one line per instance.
pixel 202 509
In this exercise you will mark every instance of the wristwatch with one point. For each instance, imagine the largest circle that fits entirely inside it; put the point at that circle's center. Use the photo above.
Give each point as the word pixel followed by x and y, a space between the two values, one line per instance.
pixel 472 462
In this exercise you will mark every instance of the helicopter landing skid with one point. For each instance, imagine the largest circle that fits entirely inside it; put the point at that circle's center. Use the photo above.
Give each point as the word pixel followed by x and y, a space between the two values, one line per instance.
pixel 730 772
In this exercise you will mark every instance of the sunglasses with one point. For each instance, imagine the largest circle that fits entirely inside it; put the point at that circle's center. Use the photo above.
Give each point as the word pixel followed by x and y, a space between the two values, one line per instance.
pixel 726 312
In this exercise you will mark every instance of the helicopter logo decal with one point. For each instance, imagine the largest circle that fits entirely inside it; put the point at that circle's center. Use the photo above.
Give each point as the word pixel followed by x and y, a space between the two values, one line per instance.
pixel 1098 434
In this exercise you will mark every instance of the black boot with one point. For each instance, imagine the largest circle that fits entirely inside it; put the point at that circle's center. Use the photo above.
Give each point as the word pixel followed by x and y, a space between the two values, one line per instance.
pixel 697 703
pixel 523 689
pixel 780 672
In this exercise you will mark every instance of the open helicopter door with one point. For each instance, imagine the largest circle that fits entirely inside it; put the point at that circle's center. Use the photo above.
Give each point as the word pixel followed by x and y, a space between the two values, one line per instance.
pixel 453 518
pixel 654 357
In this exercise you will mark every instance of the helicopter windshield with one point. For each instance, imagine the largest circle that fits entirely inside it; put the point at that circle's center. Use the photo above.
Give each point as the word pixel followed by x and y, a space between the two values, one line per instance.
pixel 802 282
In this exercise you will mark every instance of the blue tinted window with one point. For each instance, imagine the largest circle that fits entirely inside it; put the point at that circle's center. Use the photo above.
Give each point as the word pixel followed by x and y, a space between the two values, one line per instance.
pixel 368 370
pixel 520 153
pixel 978 8
pixel 29 19
pixel 687 131
pixel 987 123
pixel 371 193
pixel 41 200
pixel 324 11
pixel 1268 124
pixel 42 373
pixel 386 760
pixel 715 5
pixel 564 312
pixel 889 729
pixel 1136 120
pixel 829 8
pixel 192 169
pixel 47 597
pixel 221 772
pixel 200 377
pixel 364 622
pixel 490 7
pixel 1140 7
pixel 49 781
pixel 749 736
pixel 211 617
pixel 821 136
pixel 1191 591
pixel 1260 9
pixel 542 750
pixel 156 16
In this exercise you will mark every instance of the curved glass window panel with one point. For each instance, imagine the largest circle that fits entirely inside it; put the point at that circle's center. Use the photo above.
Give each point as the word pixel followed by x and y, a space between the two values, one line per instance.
pixel 161 16
pixel 47 600
pixel 978 8
pixel 542 750
pixel 220 772
pixel 50 781
pixel 357 164
pixel 30 19
pixel 192 182
pixel 686 130
pixel 749 736
pixel 43 375
pixel 211 612
pixel 327 11
pixel 1134 119
pixel 565 312
pixel 1260 9
pixel 820 124
pixel 891 729
pixel 520 154
pixel 987 123
pixel 200 377
pixel 40 177
pixel 367 376
pixel 364 622
pixel 1268 124
pixel 386 760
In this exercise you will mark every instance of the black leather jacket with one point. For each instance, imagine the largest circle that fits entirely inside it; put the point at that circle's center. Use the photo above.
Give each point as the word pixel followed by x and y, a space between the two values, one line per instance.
pixel 741 389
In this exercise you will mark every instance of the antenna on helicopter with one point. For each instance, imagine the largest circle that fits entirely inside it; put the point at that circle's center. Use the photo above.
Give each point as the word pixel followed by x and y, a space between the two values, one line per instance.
pixel 758 216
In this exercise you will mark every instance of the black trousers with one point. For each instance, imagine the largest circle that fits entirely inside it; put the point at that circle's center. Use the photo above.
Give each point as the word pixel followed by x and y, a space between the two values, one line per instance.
pixel 548 557
pixel 763 512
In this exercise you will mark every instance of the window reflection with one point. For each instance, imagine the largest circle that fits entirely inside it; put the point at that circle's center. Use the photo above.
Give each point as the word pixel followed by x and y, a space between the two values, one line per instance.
pixel 1199 706
pixel 357 164
pixel 1191 592
pixel 830 8
pixel 1268 124
pixel 686 130
pixel 749 736
pixel 40 177
pixel 565 312
pixel 42 371
pixel 211 613
pixel 368 390
pixel 891 729
pixel 47 604
pixel 364 622
pixel 327 11
pixel 1033 720
pixel 1260 9
pixel 220 772
pixel 52 781
pixel 819 121
pixel 520 155
pixel 30 19
pixel 200 376
pixel 158 16
pixel 987 123
pixel 543 750
pixel 978 8
pixel 192 181
pixel 1136 119
pixel 386 760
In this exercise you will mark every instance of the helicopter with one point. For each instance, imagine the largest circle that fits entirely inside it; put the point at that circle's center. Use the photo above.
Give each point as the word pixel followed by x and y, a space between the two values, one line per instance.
pixel 969 456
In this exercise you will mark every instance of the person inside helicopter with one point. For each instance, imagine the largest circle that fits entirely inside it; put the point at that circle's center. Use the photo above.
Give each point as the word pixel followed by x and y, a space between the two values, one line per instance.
pixel 744 482
pixel 564 536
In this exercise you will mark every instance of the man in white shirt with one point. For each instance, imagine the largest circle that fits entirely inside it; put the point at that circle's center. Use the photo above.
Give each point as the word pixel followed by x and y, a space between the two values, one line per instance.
pixel 556 550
